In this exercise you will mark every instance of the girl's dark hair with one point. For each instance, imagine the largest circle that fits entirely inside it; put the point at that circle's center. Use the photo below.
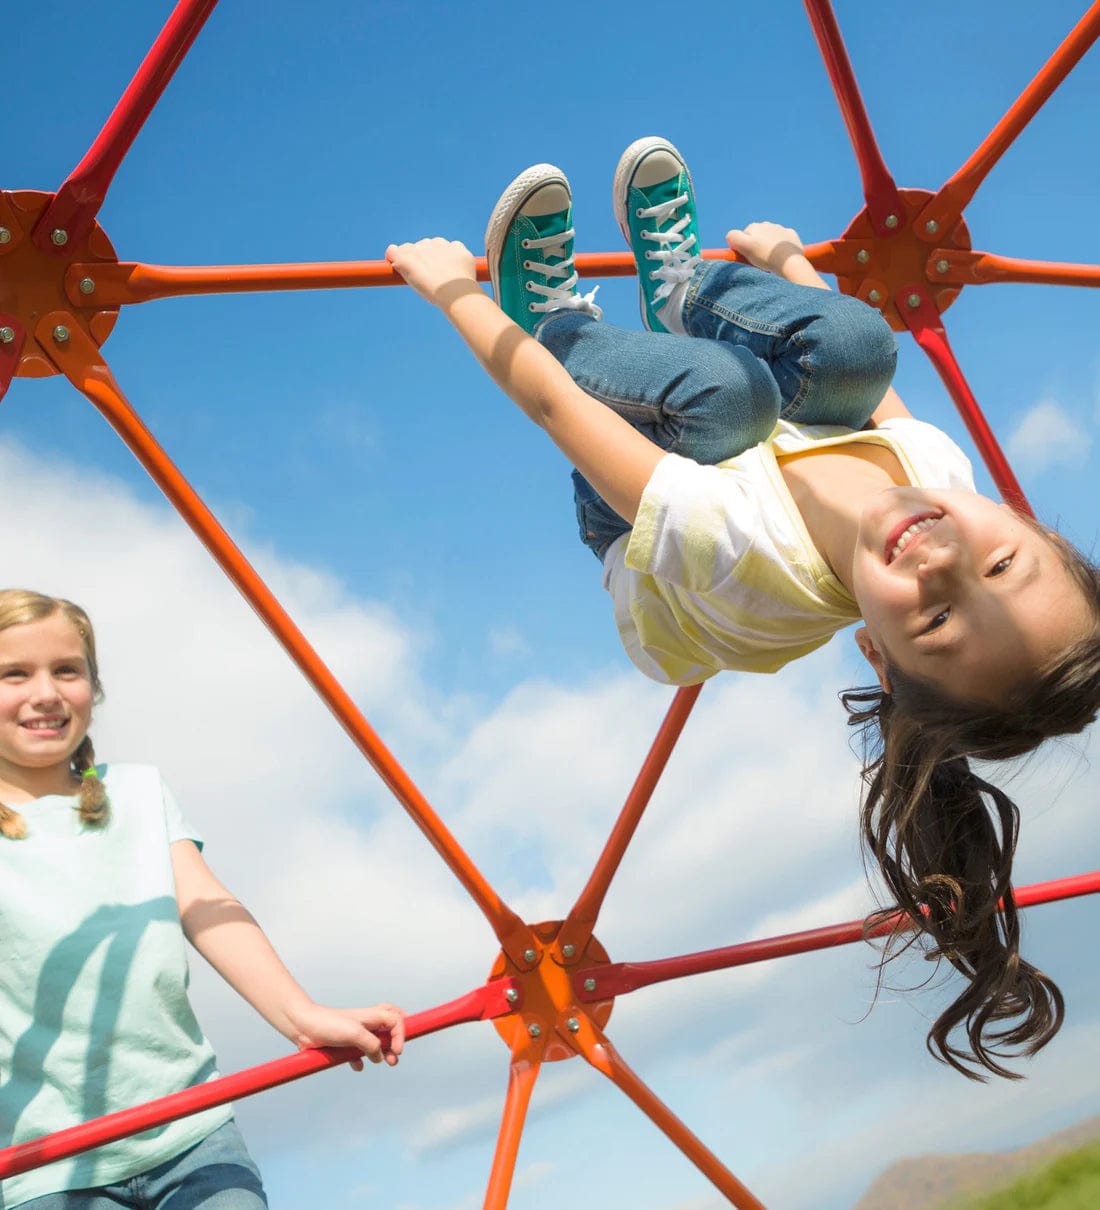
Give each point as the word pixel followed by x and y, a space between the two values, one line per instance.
pixel 944 837
pixel 18 606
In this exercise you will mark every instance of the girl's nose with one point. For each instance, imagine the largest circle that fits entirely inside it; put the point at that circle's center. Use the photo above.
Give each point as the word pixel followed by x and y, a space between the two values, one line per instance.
pixel 43 689
pixel 938 560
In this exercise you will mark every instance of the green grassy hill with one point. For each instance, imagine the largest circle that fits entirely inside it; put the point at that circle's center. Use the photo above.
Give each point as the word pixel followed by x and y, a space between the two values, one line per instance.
pixel 1069 1183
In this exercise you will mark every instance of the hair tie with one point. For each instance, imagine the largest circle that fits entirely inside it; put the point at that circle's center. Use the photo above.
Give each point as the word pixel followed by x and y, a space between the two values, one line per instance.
pixel 90 772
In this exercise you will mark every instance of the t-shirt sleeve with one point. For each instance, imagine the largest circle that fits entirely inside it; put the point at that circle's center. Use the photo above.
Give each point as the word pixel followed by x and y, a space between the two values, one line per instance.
pixel 178 827
pixel 694 524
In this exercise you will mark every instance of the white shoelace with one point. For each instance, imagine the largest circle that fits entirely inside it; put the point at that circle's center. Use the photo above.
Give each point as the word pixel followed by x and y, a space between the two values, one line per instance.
pixel 674 251
pixel 561 295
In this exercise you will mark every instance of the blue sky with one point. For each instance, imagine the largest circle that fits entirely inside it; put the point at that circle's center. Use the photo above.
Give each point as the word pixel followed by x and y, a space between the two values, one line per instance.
pixel 420 530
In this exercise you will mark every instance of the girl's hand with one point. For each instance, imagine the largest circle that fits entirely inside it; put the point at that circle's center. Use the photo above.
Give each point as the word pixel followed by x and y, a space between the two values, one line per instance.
pixel 766 245
pixel 317 1025
pixel 434 267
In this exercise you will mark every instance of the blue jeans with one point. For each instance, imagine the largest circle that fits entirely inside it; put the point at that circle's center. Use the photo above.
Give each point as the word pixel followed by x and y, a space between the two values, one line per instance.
pixel 216 1174
pixel 757 348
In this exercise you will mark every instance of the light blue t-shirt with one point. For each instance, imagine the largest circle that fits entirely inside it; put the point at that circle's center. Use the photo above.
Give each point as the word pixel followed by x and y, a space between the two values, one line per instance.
pixel 94 1015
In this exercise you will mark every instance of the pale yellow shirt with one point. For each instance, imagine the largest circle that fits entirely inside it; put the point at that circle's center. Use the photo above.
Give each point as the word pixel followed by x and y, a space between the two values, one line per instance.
pixel 720 571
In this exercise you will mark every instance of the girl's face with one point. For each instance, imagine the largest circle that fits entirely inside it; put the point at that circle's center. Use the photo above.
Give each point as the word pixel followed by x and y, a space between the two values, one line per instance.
pixel 957 589
pixel 46 694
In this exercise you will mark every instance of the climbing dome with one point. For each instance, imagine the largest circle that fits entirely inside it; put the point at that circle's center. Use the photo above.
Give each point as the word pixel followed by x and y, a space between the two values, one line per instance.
pixel 551 986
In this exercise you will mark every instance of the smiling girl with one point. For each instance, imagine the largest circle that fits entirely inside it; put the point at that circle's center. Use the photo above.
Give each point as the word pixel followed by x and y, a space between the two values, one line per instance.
pixel 101 879
pixel 751 485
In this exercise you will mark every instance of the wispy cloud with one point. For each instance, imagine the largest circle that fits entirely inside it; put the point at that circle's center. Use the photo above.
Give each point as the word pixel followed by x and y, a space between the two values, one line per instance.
pixel 1047 436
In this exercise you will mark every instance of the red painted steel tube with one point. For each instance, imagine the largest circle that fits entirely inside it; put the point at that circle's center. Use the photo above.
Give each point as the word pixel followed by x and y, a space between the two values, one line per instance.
pixel 604 1057
pixel 478 1005
pixel 927 328
pixel 984 268
pixel 582 918
pixel 953 196
pixel 77 202
pixel 522 1074
pixel 81 363
pixel 879 190
pixel 617 979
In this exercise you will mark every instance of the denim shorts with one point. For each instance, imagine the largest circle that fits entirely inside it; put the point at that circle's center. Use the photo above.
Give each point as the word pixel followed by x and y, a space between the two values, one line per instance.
pixel 216 1174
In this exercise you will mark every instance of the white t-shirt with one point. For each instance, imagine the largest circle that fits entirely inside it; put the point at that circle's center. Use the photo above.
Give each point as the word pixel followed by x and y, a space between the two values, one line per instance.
pixel 94 1015
pixel 720 571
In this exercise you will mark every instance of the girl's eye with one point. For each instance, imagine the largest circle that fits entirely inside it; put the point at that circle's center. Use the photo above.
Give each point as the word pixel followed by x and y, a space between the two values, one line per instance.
pixel 999 568
pixel 937 621
pixel 13 674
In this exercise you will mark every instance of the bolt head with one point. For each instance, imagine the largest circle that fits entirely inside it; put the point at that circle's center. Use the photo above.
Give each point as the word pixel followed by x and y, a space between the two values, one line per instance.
pixel 511 995
pixel 942 266
pixel 863 256
pixel 569 951
pixel 5 235
pixel 87 285
pixel 61 334
pixel 572 1025
pixel 874 295
pixel 529 955
pixel 891 221
pixel 535 1031
pixel 913 300
pixel 590 985
pixel 59 236
pixel 931 226
pixel 7 335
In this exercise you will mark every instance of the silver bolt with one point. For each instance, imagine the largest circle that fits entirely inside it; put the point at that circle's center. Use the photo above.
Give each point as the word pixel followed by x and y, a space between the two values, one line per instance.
pixel 529 955
pixel 511 995
pixel 59 236
pixel 874 295
pixel 5 235
pixel 931 226
pixel 7 335
pixel 590 985
pixel 572 1025
pixel 942 266
pixel 61 334
pixel 87 286
pixel 863 256
pixel 569 951
pixel 891 221
pixel 535 1031
pixel 913 300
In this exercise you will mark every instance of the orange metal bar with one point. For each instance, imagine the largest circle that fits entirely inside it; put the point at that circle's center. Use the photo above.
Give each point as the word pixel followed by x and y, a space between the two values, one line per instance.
pixel 580 922
pixel 130 282
pixel 948 204
pixel 522 1074
pixel 984 268
pixel 599 1052
pixel 80 361
pixel 924 321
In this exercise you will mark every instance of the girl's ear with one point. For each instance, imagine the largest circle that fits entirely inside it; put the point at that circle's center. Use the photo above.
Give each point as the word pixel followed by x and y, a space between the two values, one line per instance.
pixel 874 657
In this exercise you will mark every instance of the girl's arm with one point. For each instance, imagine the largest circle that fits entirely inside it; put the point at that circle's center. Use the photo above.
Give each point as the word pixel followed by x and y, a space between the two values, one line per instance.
pixel 779 250
pixel 615 458
pixel 228 937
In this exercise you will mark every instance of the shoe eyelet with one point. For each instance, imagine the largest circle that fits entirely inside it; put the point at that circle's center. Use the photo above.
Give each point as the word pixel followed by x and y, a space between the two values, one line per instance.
pixel 530 306
pixel 528 285
pixel 638 213
pixel 650 255
pixel 527 265
pixel 644 233
pixel 525 243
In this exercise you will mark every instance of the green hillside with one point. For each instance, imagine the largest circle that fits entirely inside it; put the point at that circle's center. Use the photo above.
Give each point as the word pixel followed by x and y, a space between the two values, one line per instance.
pixel 1069 1183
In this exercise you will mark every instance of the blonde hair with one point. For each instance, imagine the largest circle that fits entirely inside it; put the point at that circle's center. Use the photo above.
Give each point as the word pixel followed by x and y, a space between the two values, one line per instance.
pixel 18 606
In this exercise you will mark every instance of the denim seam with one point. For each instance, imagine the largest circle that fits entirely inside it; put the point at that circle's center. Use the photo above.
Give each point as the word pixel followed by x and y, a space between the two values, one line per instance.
pixel 805 364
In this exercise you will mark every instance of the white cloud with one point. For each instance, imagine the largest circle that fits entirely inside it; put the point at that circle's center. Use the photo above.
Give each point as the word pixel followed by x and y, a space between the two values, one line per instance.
pixel 1047 436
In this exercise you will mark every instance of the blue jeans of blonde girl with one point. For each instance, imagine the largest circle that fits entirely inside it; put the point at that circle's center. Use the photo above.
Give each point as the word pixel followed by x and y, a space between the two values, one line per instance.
pixel 216 1174
pixel 757 348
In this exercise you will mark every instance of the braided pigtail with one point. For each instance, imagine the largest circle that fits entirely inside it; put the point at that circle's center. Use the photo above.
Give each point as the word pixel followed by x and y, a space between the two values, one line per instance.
pixel 92 802
pixel 12 824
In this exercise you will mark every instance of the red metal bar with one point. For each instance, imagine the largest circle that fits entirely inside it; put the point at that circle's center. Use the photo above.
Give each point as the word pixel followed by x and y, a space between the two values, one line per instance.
pixel 952 198
pixel 77 202
pixel 924 322
pixel 522 1074
pixel 603 1056
pixel 478 1005
pixel 582 918
pixel 80 361
pixel 879 190
pixel 619 978
pixel 983 268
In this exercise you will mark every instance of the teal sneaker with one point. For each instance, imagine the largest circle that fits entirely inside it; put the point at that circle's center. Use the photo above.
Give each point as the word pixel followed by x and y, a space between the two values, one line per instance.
pixel 655 207
pixel 529 246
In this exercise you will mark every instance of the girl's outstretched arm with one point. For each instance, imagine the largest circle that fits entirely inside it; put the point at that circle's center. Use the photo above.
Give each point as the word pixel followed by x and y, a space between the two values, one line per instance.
pixel 615 458
pixel 228 937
